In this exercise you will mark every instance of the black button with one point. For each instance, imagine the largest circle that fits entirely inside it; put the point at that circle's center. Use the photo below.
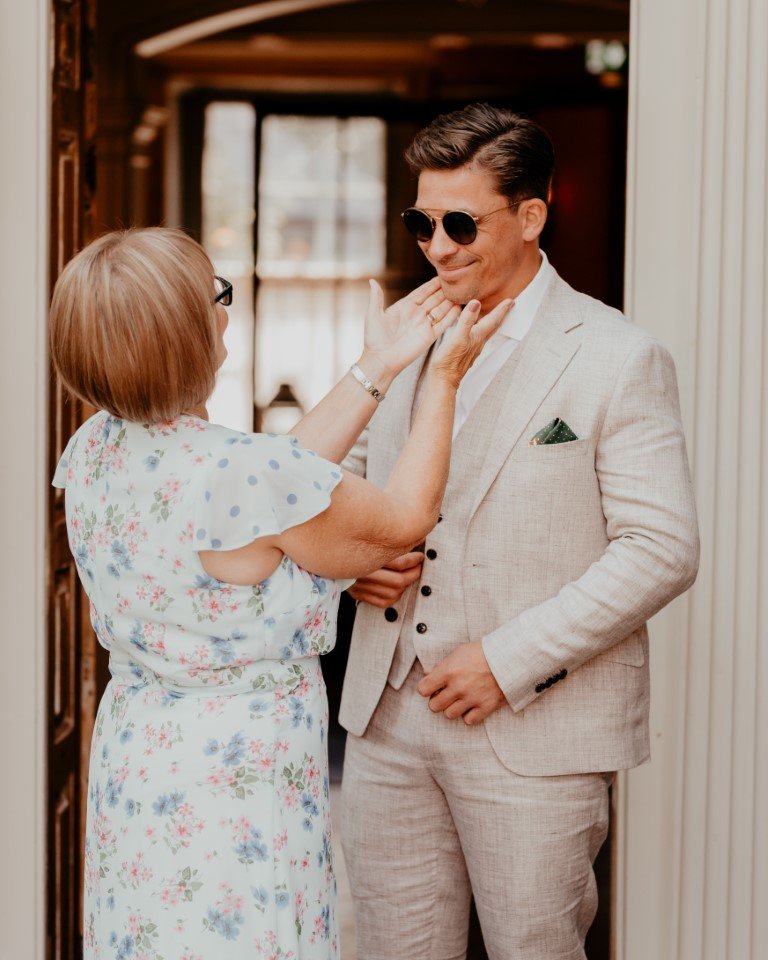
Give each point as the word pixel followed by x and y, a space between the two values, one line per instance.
pixel 432 554
pixel 390 614
pixel 421 628
pixel 540 688
pixel 440 518
pixel 426 591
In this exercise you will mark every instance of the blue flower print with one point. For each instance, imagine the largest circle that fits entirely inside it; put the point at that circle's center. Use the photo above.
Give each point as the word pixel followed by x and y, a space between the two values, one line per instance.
pixel 223 649
pixel 121 556
pixel 228 927
pixel 258 707
pixel 260 895
pixel 325 855
pixel 320 584
pixel 130 807
pixel 282 899
pixel 211 747
pixel 309 804
pixel 126 948
pixel 251 848
pixel 300 643
pixel 234 752
pixel 325 913
pixel 225 924
pixel 207 583
pixel 112 792
pixel 137 637
pixel 152 460
pixel 162 805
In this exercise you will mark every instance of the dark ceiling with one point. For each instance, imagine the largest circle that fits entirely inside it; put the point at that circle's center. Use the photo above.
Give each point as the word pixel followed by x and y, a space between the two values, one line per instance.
pixel 134 20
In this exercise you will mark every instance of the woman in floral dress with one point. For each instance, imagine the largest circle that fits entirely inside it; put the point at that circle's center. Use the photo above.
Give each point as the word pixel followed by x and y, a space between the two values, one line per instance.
pixel 208 829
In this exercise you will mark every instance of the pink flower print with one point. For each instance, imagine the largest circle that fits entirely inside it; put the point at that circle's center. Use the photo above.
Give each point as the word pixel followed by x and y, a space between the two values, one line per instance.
pixel 281 839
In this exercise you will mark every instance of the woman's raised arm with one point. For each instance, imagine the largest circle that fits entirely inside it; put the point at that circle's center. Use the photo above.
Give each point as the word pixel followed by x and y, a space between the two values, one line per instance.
pixel 365 527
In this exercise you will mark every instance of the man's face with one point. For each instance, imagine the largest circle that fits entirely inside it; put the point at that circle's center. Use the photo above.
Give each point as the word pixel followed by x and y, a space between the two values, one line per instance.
pixel 485 268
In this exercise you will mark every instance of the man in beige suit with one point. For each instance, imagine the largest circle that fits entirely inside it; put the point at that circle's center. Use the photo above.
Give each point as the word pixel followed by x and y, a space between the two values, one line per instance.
pixel 498 679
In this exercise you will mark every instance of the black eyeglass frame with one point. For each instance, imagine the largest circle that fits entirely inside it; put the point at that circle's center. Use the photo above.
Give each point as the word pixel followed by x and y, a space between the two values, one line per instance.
pixel 434 220
pixel 224 297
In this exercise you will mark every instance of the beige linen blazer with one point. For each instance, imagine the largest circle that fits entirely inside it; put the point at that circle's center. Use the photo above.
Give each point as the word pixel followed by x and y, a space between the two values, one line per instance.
pixel 554 556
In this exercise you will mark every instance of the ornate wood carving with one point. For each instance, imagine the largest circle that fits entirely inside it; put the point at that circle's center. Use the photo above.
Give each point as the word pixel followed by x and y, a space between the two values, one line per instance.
pixel 71 645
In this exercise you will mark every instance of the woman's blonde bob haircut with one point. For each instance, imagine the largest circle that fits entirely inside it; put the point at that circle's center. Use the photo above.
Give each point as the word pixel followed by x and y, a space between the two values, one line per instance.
pixel 133 324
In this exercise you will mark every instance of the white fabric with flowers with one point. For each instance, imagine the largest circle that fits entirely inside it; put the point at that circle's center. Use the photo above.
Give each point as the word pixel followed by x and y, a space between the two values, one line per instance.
pixel 208 829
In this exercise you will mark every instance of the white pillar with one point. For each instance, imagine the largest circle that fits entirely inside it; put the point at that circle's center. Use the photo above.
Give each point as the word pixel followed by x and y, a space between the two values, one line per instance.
pixel 24 79
pixel 693 860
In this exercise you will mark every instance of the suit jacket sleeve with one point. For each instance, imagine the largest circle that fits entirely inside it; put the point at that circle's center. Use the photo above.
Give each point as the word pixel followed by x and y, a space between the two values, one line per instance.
pixel 356 460
pixel 653 553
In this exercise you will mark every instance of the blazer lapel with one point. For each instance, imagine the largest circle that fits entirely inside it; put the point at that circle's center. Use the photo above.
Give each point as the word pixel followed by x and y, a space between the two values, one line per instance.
pixel 542 357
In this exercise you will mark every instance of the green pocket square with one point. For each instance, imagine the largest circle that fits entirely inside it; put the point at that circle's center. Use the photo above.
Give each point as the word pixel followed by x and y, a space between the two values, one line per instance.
pixel 557 431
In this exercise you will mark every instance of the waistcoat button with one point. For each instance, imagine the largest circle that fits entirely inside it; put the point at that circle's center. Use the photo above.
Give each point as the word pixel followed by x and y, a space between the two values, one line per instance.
pixel 426 591
pixel 390 614
pixel 421 628
pixel 431 554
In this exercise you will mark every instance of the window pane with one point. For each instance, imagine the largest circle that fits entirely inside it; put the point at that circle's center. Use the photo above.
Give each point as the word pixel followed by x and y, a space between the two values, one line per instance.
pixel 308 335
pixel 321 197
pixel 228 196
pixel 321 235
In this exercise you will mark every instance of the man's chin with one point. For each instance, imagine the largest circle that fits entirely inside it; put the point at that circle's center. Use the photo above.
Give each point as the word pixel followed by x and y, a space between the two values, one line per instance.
pixel 458 291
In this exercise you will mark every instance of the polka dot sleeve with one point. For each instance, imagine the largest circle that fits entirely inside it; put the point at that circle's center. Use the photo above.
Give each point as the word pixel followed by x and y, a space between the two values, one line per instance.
pixel 258 485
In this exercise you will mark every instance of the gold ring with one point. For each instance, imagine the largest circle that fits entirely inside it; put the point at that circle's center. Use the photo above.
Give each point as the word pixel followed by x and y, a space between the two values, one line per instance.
pixel 433 318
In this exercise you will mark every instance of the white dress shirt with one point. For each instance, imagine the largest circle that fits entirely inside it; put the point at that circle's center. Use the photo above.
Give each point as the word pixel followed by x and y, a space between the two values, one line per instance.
pixel 500 347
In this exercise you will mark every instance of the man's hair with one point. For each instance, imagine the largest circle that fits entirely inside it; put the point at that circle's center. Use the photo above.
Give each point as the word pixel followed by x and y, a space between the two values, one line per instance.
pixel 133 325
pixel 515 151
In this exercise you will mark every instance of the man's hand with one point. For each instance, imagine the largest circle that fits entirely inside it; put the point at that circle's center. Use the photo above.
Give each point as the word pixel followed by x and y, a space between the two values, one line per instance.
pixel 386 586
pixel 462 685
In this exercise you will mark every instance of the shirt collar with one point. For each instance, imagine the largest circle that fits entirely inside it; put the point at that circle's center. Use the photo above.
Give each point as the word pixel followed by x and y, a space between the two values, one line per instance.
pixel 518 321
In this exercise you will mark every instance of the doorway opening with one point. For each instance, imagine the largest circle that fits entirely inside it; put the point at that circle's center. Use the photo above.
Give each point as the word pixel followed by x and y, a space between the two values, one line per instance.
pixel 277 141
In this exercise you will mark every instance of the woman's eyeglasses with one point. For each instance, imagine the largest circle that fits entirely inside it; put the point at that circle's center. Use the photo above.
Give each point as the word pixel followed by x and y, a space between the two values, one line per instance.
pixel 461 227
pixel 223 291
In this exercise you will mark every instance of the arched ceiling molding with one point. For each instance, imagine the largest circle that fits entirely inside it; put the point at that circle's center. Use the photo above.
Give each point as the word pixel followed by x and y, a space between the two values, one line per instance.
pixel 228 20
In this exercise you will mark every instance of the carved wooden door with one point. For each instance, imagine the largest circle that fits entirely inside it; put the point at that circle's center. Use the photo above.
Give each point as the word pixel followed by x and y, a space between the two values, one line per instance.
pixel 71 645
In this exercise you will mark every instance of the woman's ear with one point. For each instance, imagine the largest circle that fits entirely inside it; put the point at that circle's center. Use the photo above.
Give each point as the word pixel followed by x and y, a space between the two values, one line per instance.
pixel 534 216
pixel 222 320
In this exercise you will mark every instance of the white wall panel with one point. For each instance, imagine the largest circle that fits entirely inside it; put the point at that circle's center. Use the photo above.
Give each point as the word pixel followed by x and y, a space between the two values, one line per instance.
pixel 24 78
pixel 693 882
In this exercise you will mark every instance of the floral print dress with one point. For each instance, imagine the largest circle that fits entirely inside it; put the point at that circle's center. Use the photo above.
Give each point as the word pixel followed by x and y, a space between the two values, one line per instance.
pixel 208 829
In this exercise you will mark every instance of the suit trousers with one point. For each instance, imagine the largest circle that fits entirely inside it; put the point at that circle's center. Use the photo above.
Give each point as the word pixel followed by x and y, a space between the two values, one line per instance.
pixel 430 815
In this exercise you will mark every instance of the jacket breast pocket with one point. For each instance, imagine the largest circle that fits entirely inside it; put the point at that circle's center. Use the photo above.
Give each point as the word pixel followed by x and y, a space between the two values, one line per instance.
pixel 545 452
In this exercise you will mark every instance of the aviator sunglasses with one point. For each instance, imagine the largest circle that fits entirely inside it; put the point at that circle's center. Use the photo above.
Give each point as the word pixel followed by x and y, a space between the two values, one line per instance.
pixel 460 226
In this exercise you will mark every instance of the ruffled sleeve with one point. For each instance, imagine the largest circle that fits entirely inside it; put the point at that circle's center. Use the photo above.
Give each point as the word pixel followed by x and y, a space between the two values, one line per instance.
pixel 62 472
pixel 258 485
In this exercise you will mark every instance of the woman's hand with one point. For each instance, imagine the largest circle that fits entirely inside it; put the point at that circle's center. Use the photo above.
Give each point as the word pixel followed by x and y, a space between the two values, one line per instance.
pixel 401 333
pixel 462 345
